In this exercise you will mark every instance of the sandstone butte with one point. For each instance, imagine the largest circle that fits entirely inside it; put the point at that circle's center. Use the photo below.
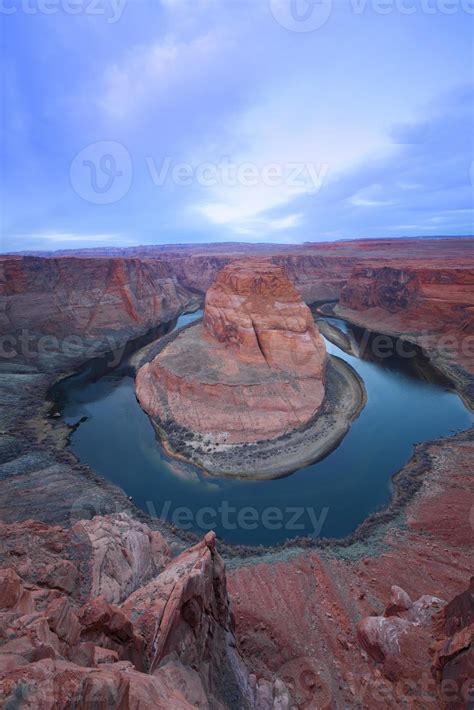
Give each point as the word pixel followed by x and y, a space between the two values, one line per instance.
pixel 254 369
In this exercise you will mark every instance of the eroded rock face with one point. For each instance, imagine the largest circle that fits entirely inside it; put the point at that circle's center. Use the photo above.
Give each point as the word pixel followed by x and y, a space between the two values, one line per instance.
pixel 387 639
pixel 426 298
pixel 254 308
pixel 92 298
pixel 453 665
pixel 108 555
pixel 403 643
pixel 169 644
pixel 253 370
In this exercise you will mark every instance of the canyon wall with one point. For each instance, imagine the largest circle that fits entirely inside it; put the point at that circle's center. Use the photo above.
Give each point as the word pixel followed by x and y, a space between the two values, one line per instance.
pixel 317 278
pixel 87 297
pixel 429 301
pixel 97 291
pixel 318 269
pixel 426 295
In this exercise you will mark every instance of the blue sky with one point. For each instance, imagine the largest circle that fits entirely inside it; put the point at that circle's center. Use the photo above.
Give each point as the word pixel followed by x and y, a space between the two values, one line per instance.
pixel 153 121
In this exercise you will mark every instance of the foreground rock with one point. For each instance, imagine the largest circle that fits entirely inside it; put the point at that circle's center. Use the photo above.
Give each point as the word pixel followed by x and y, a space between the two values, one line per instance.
pixel 411 635
pixel 453 665
pixel 253 370
pixel 108 556
pixel 65 643
pixel 297 613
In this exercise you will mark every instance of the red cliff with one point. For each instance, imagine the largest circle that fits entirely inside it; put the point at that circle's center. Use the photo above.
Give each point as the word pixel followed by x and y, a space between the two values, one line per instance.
pixel 87 296
pixel 430 302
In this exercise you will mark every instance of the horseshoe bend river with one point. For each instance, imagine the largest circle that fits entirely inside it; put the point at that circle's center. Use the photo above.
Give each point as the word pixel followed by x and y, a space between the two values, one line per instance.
pixel 406 404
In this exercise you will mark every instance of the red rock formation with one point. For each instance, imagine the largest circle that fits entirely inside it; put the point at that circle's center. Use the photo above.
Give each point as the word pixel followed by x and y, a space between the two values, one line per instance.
pixel 453 665
pixel 253 307
pixel 387 639
pixel 296 615
pixel 87 296
pixel 420 299
pixel 402 642
pixel 170 644
pixel 253 370
pixel 108 555
pixel 318 270
pixel 127 291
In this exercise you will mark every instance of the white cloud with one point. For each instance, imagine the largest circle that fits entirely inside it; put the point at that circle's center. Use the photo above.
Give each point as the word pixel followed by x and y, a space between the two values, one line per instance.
pixel 292 220
pixel 370 196
pixel 247 220
pixel 156 73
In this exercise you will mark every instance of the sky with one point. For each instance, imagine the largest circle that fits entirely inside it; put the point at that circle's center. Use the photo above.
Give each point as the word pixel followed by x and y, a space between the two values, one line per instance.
pixel 128 122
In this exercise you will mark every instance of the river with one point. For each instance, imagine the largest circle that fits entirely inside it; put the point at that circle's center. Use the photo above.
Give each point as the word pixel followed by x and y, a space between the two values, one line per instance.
pixel 328 499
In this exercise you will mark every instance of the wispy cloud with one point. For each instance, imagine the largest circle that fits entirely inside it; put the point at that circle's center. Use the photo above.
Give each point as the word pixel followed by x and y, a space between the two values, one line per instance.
pixel 197 80
pixel 76 238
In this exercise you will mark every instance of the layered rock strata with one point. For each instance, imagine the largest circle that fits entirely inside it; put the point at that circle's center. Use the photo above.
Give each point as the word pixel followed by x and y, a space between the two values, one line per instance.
pixel 77 307
pixel 426 302
pixel 318 270
pixel 254 369
pixel 69 638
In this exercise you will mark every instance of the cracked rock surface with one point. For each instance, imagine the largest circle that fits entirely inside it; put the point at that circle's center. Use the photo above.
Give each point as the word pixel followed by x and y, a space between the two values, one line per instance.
pixel 254 369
